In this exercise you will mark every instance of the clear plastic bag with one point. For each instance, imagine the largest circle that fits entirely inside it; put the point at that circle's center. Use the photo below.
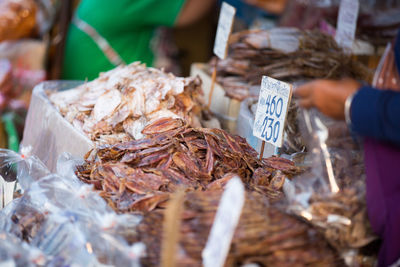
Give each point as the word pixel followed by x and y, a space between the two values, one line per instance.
pixel 331 195
pixel 65 219
pixel 15 253
pixel 378 21
pixel 27 168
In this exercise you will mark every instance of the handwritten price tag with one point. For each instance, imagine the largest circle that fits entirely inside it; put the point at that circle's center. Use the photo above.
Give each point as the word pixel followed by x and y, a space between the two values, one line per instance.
pixel 272 110
pixel 347 23
pixel 224 29
pixel 225 222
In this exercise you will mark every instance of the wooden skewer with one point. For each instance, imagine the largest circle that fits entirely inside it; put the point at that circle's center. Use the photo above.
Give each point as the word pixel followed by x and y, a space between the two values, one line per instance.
pixel 171 227
pixel 213 78
pixel 262 150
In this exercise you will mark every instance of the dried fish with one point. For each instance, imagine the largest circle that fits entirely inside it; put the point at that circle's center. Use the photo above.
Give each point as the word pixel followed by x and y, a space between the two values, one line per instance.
pixel 122 102
pixel 176 155
pixel 255 53
pixel 264 235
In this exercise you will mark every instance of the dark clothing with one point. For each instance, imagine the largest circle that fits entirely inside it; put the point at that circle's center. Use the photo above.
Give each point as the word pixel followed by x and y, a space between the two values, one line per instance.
pixel 383 197
pixel 397 51
pixel 375 115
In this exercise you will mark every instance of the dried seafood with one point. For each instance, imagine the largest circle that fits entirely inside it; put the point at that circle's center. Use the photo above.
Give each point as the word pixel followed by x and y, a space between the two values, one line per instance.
pixel 264 235
pixel 340 215
pixel 140 174
pixel 17 19
pixel 348 206
pixel 119 104
pixel 27 222
pixel 256 53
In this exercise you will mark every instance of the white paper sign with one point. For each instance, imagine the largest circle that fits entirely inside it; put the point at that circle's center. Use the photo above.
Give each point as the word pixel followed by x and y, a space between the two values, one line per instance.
pixel 272 110
pixel 225 222
pixel 224 29
pixel 347 23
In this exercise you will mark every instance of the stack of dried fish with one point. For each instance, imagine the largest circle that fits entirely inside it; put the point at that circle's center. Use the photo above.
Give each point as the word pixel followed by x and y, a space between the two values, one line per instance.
pixel 119 104
pixel 264 235
pixel 285 54
pixel 140 174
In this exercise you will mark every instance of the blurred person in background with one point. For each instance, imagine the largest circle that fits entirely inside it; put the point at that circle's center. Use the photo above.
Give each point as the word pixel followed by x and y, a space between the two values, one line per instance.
pixel 104 34
pixel 272 6
pixel 373 114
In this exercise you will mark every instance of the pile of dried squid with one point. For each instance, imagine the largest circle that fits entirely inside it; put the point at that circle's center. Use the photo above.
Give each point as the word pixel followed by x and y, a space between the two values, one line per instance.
pixel 264 236
pixel 139 175
pixel 118 105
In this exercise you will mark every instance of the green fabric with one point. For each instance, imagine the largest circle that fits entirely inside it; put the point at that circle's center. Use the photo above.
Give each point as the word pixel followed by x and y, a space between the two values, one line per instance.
pixel 11 130
pixel 127 25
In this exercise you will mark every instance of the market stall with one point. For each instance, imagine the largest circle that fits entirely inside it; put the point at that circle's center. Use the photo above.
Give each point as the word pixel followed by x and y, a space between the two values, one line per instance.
pixel 226 167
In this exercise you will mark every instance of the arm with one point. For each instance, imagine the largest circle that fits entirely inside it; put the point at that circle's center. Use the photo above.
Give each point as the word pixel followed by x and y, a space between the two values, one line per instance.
pixel 376 113
pixel 192 11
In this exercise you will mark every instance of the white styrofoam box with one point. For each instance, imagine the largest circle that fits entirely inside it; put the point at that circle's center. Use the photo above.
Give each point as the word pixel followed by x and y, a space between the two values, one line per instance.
pixel 47 132
pixel 224 108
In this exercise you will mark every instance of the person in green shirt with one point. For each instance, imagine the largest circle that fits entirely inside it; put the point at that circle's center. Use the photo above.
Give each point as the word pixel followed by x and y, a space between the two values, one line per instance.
pixel 104 33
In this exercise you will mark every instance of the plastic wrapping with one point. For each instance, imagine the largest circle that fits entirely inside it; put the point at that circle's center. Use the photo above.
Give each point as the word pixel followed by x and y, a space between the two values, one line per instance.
pixel 378 21
pixel 26 168
pixel 331 195
pixel 65 219
pixel 15 253
pixel 22 66
pixel 284 39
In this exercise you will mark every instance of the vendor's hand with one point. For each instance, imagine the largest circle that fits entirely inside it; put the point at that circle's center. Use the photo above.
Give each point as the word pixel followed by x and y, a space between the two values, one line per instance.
pixel 327 96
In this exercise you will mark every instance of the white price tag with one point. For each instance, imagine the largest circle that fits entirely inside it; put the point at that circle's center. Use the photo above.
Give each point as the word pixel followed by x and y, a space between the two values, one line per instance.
pixel 225 222
pixel 347 23
pixel 225 23
pixel 272 110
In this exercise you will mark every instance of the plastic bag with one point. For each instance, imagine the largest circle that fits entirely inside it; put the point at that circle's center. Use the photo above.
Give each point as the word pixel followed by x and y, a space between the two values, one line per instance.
pixel 284 39
pixel 27 168
pixel 331 195
pixel 15 253
pixel 65 219
pixel 378 21
pixel 109 238
pixel 92 238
